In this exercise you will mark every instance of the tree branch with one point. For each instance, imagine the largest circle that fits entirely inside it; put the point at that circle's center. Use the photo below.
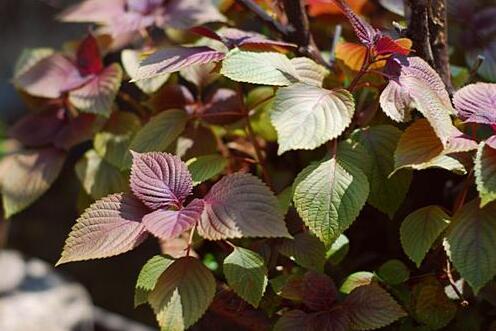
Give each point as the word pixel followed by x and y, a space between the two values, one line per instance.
pixel 428 29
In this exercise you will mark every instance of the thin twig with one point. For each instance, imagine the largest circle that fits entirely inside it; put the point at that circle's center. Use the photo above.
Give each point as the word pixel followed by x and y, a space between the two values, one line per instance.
pixel 475 68
pixel 452 282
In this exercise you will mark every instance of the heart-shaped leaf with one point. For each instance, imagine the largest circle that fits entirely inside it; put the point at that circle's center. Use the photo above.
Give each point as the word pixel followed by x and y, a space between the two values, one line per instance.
pixel 148 277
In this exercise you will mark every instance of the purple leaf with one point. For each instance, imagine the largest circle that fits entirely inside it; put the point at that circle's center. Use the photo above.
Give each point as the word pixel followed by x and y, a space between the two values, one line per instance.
pixel 160 180
pixel 476 103
pixel 395 102
pixel 336 319
pixel 240 205
pixel 363 30
pixel 174 59
pixel 319 291
pixel 26 175
pixel 184 14
pixel 224 106
pixel 169 224
pixel 110 226
pixel 97 95
pixel 76 130
pixel 50 77
pixel 94 11
pixel 88 57
pixel 34 130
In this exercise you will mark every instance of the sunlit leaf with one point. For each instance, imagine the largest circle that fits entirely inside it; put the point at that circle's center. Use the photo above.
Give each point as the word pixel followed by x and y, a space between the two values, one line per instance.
pixel 329 196
pixel 169 224
pixel 420 229
pixel 246 274
pixel 322 7
pixel 173 59
pixel 160 179
pixel 355 280
pixel 26 175
pixel 240 205
pixel 182 294
pixel 306 117
pixel 470 243
pixel 97 95
pixel 130 61
pixel 309 72
pixel 476 103
pixel 363 30
pixel 484 171
pixel 109 227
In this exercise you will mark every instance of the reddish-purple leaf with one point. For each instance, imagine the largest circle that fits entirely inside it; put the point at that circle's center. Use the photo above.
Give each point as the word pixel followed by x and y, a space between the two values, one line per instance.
pixel 224 106
pixel 160 179
pixel 169 224
pixel 97 95
pixel 319 291
pixel 184 14
pixel 171 97
pixel 38 129
pixel 206 32
pixel 336 319
pixel 387 45
pixel 143 6
pixel 174 59
pixel 50 77
pixel 94 11
pixel 240 205
pixel 88 57
pixel 109 227
pixel 363 30
pixel 476 103
pixel 76 130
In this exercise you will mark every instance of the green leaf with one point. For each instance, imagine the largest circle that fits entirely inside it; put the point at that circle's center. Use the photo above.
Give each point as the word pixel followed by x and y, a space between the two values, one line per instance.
pixel 329 196
pixel 471 243
pixel 393 272
pixel 306 116
pixel 182 294
pixel 203 168
pixel 308 71
pixel 419 148
pixel 338 250
pixel 98 177
pixel 246 274
pixel 420 229
pixel 285 198
pixel 114 149
pixel 485 175
pixel 386 193
pixel 130 61
pixel 97 96
pixel 432 306
pixel 148 277
pixel 371 307
pixel 355 280
pixel 160 131
pixel 26 175
pixel 306 250
pixel 264 68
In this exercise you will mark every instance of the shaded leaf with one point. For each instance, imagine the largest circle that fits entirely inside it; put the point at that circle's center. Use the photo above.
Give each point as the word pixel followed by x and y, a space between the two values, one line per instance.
pixel 306 250
pixel 88 58
pixel 319 291
pixel 224 106
pixel 173 59
pixel 240 205
pixel 97 95
pixel 182 294
pixel 160 180
pixel 159 132
pixel 29 57
pixel 184 14
pixel 203 168
pixel 306 116
pixel 432 306
pixel 98 177
pixel 309 72
pixel 110 226
pixel 169 224
pixel 114 149
pixel 484 171
pixel 26 175
pixel 371 307
pixel 470 243
pixel 148 277
pixel 393 272
pixel 386 193
pixel 38 129
pixel 329 196
pixel 246 274
pixel 420 229
pixel 200 75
